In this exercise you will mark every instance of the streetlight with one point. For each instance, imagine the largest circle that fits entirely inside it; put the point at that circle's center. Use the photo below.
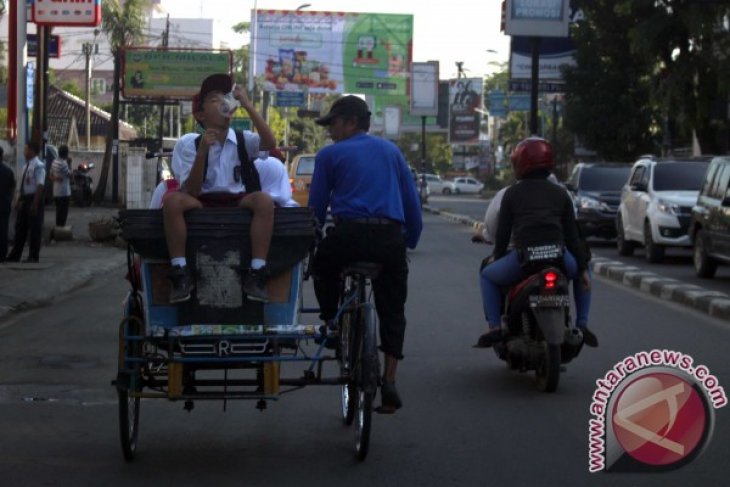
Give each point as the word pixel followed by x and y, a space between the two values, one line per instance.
pixel 303 6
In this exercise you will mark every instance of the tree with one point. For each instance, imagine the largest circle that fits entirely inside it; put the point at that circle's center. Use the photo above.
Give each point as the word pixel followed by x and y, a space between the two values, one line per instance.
pixel 123 23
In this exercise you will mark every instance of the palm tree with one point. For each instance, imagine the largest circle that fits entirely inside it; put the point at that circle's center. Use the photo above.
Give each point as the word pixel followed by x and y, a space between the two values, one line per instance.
pixel 123 23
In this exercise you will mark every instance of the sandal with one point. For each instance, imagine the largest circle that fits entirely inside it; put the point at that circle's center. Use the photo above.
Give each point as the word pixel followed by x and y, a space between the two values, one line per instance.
pixel 390 400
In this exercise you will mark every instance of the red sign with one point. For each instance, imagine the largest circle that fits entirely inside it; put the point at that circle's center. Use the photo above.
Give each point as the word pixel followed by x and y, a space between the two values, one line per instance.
pixel 67 12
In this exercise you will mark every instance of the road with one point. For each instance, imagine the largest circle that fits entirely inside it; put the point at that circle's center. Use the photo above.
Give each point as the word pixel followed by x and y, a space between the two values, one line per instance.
pixel 467 420
pixel 676 265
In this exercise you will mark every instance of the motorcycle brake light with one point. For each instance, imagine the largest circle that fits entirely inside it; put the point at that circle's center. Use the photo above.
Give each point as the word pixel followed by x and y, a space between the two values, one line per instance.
pixel 550 279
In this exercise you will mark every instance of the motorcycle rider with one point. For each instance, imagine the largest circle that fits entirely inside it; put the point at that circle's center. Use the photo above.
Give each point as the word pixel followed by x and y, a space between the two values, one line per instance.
pixel 534 212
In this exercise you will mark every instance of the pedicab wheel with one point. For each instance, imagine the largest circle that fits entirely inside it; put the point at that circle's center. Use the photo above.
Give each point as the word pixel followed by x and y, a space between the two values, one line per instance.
pixel 548 368
pixel 367 379
pixel 349 389
pixel 128 423
pixel 128 378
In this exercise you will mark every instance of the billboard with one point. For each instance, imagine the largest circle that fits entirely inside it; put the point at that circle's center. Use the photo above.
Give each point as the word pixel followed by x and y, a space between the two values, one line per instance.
pixel 332 52
pixel 72 13
pixel 170 73
pixel 425 89
pixel 555 52
pixel 465 107
pixel 540 18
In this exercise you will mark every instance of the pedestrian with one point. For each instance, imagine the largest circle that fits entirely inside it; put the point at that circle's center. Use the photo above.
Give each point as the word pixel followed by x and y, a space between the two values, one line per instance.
pixel 374 202
pixel 7 191
pixel 29 220
pixel 61 177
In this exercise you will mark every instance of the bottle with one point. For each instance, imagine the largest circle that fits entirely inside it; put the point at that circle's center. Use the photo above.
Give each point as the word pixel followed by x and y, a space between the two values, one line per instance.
pixel 228 105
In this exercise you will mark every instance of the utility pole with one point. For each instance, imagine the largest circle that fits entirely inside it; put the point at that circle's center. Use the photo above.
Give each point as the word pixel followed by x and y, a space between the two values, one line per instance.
pixel 460 69
pixel 89 49
pixel 165 43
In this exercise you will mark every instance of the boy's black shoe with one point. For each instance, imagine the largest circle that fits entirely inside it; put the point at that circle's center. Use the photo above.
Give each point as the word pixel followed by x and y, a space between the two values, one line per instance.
pixel 182 284
pixel 254 284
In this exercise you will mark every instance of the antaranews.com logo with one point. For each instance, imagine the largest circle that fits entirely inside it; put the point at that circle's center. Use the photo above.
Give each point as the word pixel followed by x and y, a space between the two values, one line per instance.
pixel 653 411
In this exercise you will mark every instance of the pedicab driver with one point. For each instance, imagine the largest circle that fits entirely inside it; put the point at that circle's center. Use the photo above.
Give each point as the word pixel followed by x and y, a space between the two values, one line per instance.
pixel 211 173
pixel 367 184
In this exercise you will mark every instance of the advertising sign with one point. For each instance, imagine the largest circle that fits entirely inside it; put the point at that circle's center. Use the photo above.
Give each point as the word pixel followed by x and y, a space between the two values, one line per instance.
pixel 67 12
pixel 539 18
pixel 170 73
pixel 425 89
pixel 465 106
pixel 332 52
pixel 554 53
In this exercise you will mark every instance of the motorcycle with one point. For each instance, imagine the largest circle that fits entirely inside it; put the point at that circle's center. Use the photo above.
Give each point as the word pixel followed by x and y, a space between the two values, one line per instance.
pixel 537 333
pixel 81 184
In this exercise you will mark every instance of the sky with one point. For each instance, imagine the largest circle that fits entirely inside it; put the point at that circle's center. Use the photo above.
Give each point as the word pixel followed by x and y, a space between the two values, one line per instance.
pixel 452 31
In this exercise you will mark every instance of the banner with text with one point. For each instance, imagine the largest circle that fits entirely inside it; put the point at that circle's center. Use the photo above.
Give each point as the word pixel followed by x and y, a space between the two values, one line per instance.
pixel 465 110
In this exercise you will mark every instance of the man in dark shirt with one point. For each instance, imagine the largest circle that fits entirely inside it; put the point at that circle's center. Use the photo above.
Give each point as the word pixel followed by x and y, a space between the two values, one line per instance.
pixel 534 212
pixel 7 190
pixel 370 189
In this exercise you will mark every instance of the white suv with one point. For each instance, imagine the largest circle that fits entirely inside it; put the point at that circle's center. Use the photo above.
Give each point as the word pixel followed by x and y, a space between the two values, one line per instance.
pixel 435 184
pixel 656 205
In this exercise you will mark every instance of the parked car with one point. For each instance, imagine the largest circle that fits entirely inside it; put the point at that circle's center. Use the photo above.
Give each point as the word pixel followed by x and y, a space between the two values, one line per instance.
pixel 463 185
pixel 300 177
pixel 596 191
pixel 656 204
pixel 435 184
pixel 709 227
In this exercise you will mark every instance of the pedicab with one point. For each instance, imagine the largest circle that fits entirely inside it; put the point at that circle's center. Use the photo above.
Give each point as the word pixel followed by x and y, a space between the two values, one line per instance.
pixel 220 346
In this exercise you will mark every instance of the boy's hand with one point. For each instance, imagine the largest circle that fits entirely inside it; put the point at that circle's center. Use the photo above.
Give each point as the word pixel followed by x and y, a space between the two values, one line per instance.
pixel 239 93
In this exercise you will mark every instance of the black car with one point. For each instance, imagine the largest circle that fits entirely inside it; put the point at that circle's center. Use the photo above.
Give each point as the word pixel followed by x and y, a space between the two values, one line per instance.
pixel 596 190
pixel 709 226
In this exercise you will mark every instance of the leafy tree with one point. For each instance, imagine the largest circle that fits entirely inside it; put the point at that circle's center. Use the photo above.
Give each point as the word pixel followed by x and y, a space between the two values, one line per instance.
pixel 123 22
pixel 608 92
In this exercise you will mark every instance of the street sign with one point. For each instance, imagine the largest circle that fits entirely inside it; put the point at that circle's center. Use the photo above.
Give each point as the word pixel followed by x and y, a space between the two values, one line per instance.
pixel 29 83
pixel 241 123
pixel 54 47
pixel 289 99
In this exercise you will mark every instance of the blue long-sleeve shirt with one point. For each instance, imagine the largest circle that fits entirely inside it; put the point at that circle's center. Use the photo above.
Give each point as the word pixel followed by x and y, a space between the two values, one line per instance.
pixel 366 177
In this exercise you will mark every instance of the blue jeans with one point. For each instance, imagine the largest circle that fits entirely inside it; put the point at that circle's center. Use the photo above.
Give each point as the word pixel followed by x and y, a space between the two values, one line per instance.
pixel 507 271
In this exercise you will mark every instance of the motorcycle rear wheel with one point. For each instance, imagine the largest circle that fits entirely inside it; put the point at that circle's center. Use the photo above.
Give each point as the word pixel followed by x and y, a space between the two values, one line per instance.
pixel 547 371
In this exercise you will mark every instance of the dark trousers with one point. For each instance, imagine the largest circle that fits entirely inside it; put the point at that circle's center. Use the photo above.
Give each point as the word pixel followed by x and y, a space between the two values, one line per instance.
pixel 4 222
pixel 61 210
pixel 26 223
pixel 383 244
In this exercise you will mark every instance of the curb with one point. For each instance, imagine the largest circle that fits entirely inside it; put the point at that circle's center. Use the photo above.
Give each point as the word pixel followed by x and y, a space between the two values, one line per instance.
pixel 713 303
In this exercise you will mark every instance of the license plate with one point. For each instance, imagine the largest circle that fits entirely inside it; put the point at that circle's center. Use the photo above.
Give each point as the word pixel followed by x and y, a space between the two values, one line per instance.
pixel 550 301
pixel 544 252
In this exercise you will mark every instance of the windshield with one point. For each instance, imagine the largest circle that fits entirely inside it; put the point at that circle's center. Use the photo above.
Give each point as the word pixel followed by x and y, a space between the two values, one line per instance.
pixel 305 166
pixel 679 176
pixel 603 178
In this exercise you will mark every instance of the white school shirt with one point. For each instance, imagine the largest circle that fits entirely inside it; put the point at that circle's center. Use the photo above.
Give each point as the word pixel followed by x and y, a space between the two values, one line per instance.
pixel 63 187
pixel 274 180
pixel 34 175
pixel 222 161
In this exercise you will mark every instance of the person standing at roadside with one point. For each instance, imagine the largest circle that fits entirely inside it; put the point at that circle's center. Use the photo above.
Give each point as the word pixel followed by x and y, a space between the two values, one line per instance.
pixel 29 220
pixel 61 177
pixel 7 189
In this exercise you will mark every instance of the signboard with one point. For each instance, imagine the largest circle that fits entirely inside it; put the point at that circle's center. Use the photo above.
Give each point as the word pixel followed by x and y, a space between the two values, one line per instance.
pixel 425 89
pixel 554 54
pixel 67 12
pixel 538 18
pixel 170 73
pixel 289 99
pixel 332 52
pixel 241 123
pixel 29 85
pixel 54 46
pixel 391 122
pixel 525 86
pixel 465 106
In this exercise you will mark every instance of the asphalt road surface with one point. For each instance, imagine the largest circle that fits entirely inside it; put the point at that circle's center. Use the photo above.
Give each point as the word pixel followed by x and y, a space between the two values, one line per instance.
pixel 467 419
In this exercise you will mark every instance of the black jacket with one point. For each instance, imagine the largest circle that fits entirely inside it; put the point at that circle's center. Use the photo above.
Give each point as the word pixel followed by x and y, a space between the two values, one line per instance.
pixel 538 212
pixel 7 188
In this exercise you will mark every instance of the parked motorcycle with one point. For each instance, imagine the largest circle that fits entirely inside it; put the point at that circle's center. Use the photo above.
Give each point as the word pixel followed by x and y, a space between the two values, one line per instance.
pixel 536 325
pixel 81 184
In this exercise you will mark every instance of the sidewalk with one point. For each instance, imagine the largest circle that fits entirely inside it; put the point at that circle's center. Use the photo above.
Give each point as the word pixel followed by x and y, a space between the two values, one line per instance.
pixel 63 266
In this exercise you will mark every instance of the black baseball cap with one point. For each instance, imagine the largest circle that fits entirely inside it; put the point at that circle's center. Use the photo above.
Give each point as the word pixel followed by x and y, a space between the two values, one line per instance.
pixel 349 105
pixel 215 82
